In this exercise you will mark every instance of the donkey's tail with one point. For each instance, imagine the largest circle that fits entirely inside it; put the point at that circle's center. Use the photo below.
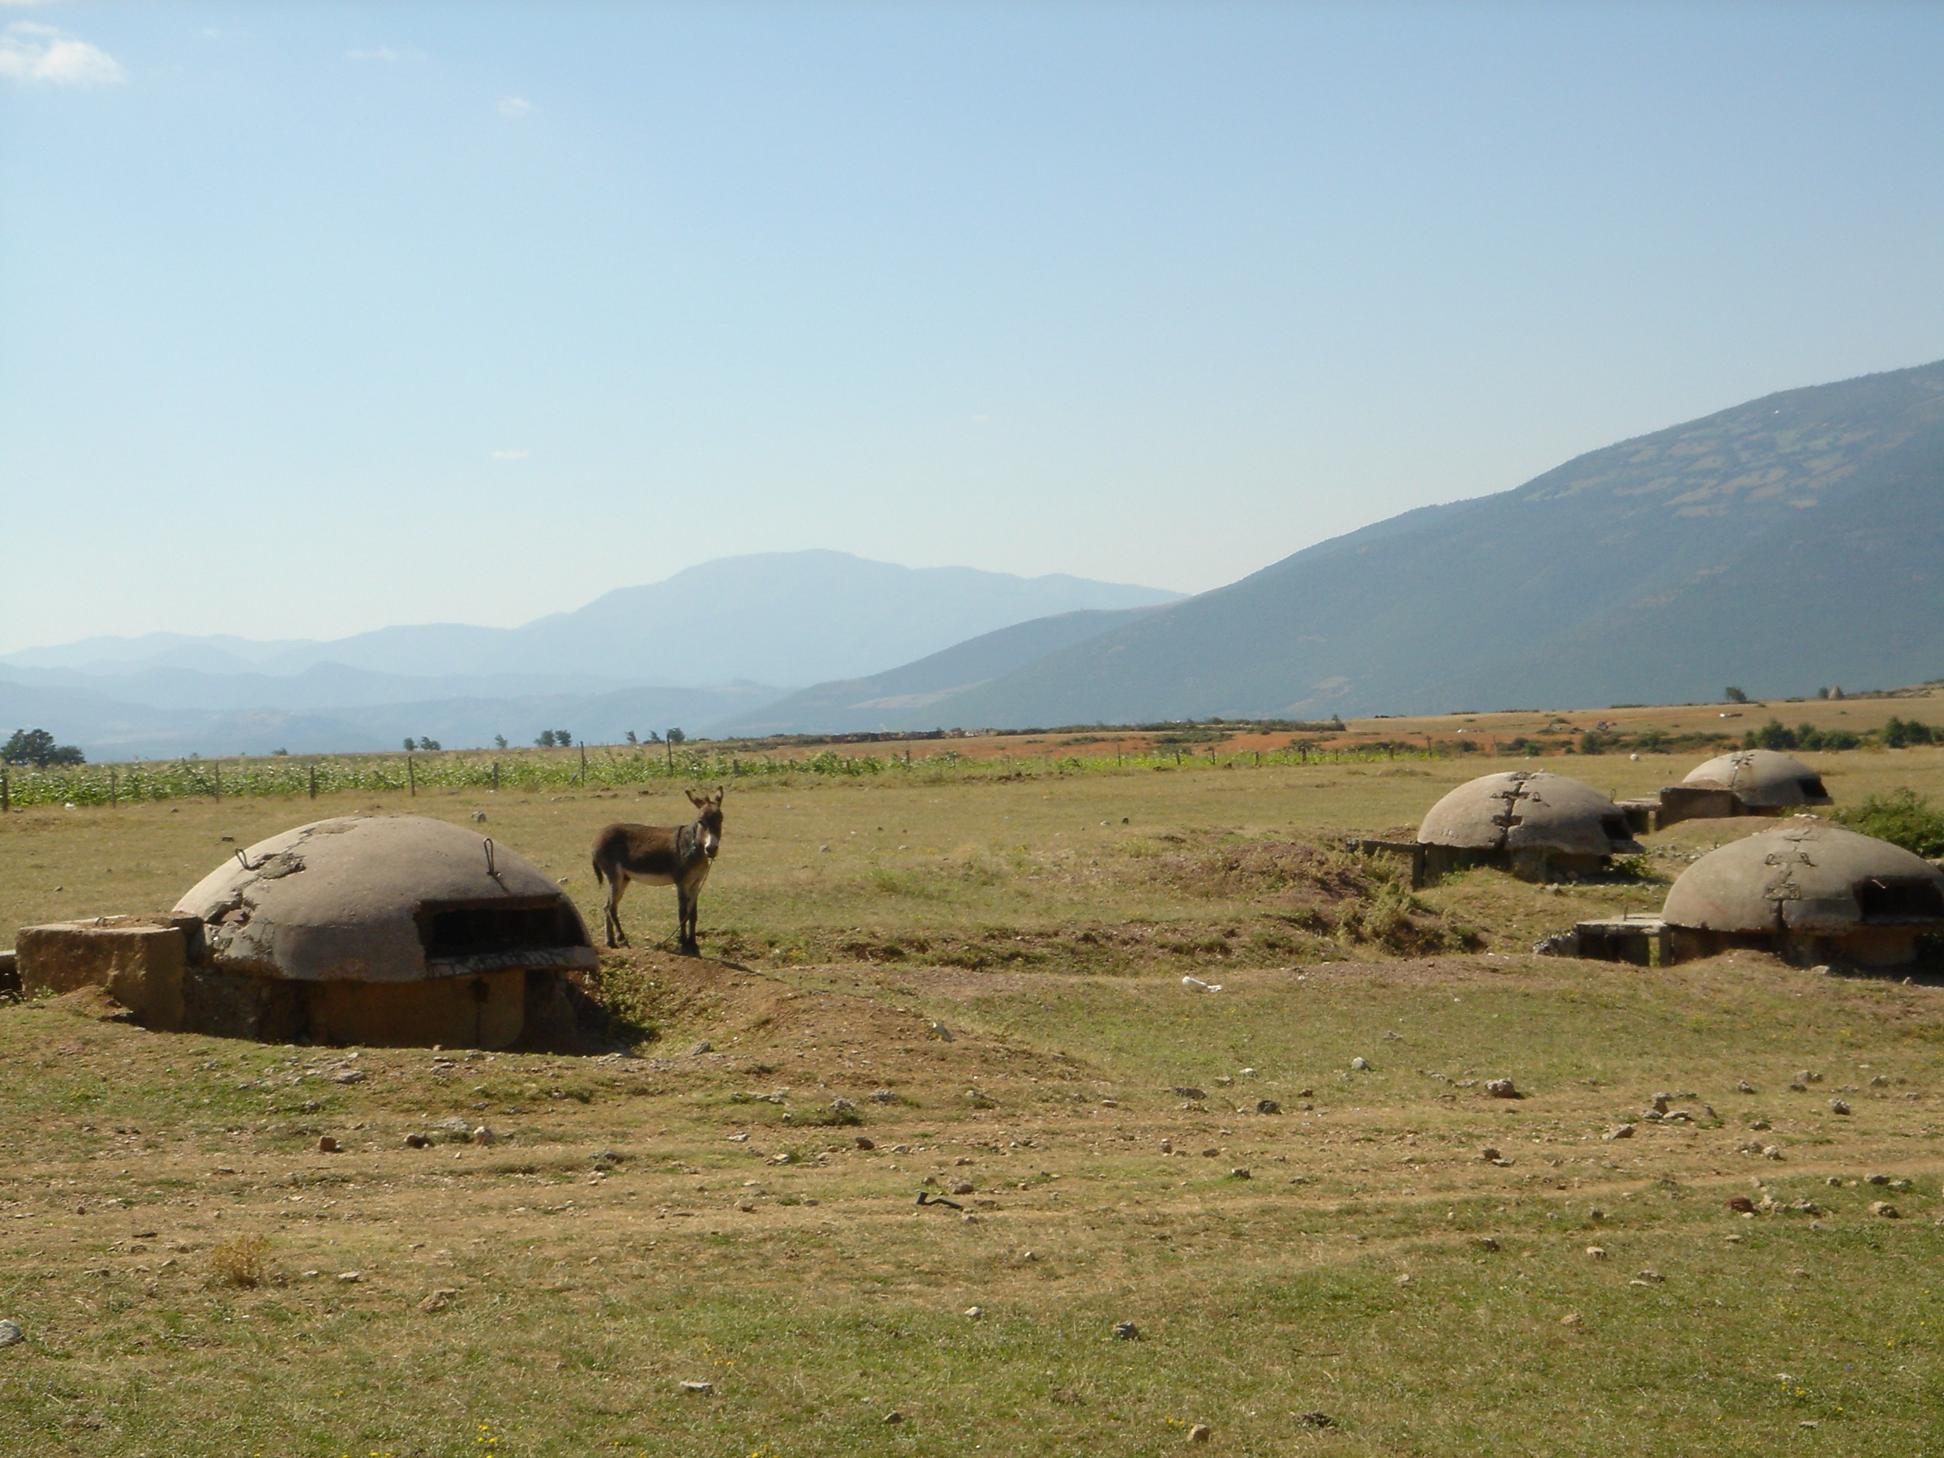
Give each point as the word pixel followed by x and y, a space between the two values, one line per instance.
pixel 599 874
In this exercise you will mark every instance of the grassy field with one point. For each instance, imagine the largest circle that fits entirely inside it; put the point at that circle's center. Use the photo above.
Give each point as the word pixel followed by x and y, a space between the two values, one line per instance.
pixel 987 971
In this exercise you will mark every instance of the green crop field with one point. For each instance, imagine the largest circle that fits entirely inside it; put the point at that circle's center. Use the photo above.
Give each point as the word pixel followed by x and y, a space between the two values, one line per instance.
pixel 965 979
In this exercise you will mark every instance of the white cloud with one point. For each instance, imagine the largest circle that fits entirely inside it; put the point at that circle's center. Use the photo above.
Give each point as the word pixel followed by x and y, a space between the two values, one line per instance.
pixel 511 453
pixel 514 107
pixel 32 52
pixel 384 55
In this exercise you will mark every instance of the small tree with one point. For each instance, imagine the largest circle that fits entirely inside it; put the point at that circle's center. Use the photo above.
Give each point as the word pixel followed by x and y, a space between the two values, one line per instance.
pixel 499 741
pixel 545 739
pixel 37 747
pixel 1736 696
pixel 427 744
pixel 410 744
pixel 631 737
pixel 563 738
pixel 676 736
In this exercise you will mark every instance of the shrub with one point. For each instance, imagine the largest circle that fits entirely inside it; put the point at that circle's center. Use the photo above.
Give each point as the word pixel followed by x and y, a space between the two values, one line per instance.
pixel 1904 818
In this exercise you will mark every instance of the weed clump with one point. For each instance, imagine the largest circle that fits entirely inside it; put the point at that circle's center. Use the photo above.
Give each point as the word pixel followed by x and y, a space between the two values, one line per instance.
pixel 240 1263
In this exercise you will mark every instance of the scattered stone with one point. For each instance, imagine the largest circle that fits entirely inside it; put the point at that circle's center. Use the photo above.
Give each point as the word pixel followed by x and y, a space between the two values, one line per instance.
pixel 479 817
pixel 1485 1242
pixel 1839 1106
pixel 484 1135
pixel 1650 1278
pixel 941 1032
pixel 1268 1106
pixel 1189 1091
pixel 1885 1210
pixel 1316 1419
pixel 1124 1331
pixel 1594 1212
pixel 1659 1102
pixel 699 1387
pixel 1597 1252
pixel 1761 1125
pixel 1771 1151
pixel 702 1045
pixel 1742 1205
pixel 975 1312
pixel 1744 1086
pixel 1502 1088
pixel 1571 1318
pixel 1240 1172
pixel 883 1096
pixel 1360 1065
pixel 894 1416
pixel 1199 1433
pixel 864 1143
pixel 416 1141
pixel 10 1334
pixel 351 1075
pixel 961 1187
pixel 1618 1131
pixel 438 1300
pixel 350 1278
pixel 1876 1179
pixel 1879 1081
pixel 327 1145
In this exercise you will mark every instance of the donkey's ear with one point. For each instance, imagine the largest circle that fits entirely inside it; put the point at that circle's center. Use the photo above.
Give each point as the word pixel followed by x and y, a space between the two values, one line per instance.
pixel 698 801
pixel 717 797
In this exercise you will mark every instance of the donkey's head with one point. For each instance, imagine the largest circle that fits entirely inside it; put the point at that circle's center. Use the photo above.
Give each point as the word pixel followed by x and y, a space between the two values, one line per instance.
pixel 709 820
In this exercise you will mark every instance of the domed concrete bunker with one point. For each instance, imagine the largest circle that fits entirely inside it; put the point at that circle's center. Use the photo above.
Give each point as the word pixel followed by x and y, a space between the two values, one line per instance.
pixel 1535 823
pixel 1809 892
pixel 1746 782
pixel 361 929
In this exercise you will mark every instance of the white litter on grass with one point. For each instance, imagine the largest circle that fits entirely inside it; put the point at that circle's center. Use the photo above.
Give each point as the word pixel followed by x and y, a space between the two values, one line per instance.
pixel 1204 986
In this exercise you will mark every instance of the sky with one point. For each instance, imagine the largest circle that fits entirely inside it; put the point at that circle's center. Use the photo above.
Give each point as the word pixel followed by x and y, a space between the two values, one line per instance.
pixel 319 317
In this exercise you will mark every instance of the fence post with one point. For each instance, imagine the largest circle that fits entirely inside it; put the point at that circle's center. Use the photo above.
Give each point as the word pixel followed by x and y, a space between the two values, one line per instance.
pixel 313 781
pixel 6 792
pixel 114 790
pixel 217 768
pixel 411 777
pixel 583 773
pixel 495 777
pixel 669 745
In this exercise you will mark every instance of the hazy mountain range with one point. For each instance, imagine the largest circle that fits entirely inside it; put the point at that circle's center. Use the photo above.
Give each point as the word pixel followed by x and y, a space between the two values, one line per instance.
pixel 1789 543
pixel 705 645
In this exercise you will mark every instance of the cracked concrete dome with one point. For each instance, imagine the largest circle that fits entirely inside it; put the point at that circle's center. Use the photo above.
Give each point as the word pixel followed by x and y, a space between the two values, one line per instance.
pixel 383 899
pixel 1529 810
pixel 1808 877
pixel 1762 779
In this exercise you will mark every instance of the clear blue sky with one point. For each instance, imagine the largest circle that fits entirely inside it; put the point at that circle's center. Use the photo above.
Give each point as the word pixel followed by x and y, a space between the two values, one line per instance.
pixel 316 317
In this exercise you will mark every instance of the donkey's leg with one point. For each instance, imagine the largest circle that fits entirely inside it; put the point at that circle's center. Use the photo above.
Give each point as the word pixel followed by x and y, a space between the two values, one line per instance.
pixel 617 883
pixel 683 916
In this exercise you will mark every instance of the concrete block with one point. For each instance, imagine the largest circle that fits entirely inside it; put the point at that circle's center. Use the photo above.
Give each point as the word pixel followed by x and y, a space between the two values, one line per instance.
pixel 140 962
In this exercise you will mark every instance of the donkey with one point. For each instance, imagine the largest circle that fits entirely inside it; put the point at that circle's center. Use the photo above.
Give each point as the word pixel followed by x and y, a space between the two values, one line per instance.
pixel 677 857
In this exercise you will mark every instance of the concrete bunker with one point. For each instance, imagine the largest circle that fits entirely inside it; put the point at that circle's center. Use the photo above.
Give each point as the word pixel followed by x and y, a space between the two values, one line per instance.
pixel 362 929
pixel 1807 892
pixel 1746 782
pixel 1536 824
